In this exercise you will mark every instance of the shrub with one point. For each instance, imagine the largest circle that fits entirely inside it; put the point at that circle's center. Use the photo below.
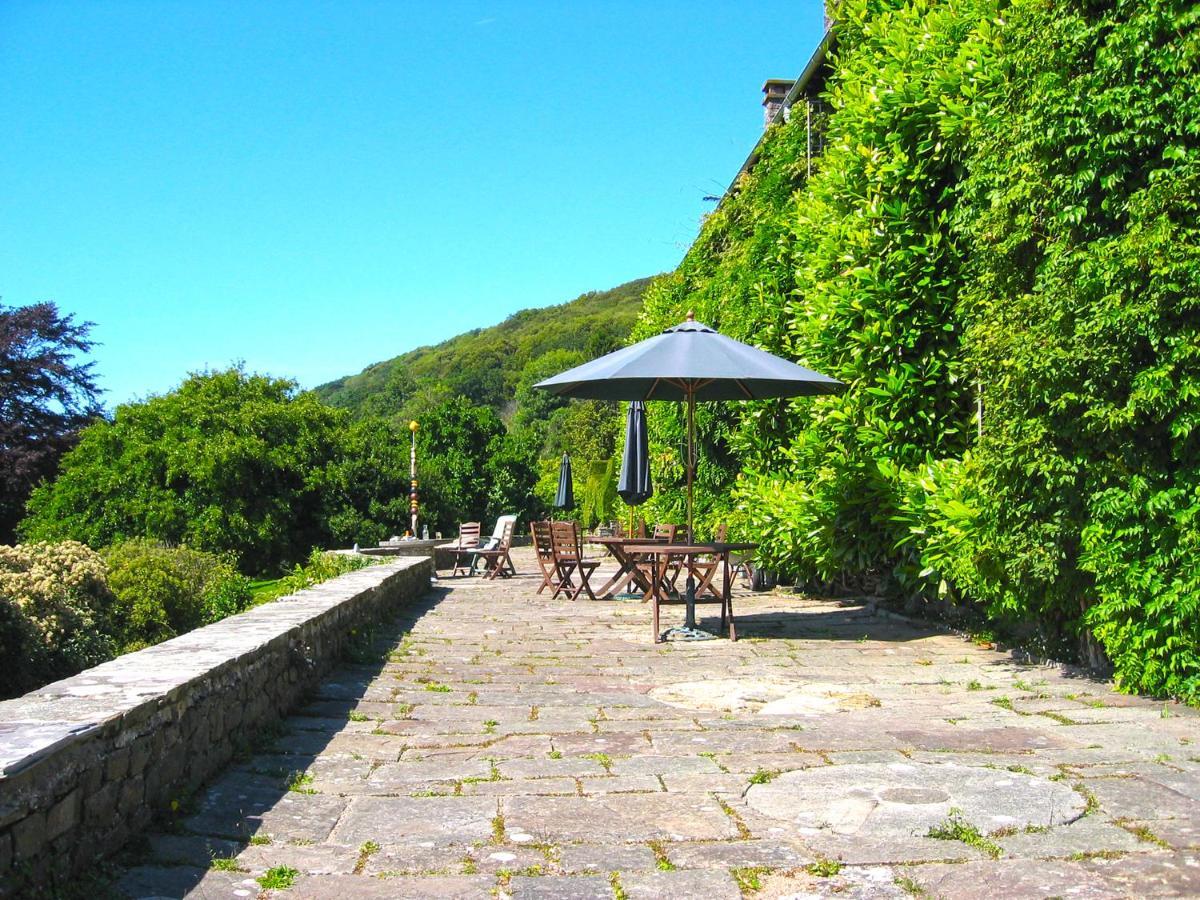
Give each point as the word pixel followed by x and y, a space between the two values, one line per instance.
pixel 54 609
pixel 165 591
pixel 321 566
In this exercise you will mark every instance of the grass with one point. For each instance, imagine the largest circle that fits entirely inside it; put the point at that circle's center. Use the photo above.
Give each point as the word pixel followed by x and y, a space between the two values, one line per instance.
pixel 300 783
pixel 661 861
pixel 498 829
pixel 365 852
pixel 437 688
pixel 909 886
pixel 603 758
pixel 763 776
pixel 1058 717
pixel 225 864
pixel 1143 834
pixel 1003 703
pixel 262 590
pixel 277 878
pixel 618 891
pixel 749 878
pixel 743 831
pixel 555 754
pixel 1091 804
pixel 260 840
pixel 823 867
pixel 356 716
pixel 956 828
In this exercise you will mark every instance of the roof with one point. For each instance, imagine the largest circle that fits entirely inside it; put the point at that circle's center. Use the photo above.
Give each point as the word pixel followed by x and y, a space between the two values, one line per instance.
pixel 799 88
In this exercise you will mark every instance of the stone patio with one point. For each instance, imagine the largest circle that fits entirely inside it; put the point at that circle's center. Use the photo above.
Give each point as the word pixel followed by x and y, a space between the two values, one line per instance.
pixel 508 745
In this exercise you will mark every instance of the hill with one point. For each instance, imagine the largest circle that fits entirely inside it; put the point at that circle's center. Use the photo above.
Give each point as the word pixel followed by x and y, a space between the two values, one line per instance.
pixel 485 364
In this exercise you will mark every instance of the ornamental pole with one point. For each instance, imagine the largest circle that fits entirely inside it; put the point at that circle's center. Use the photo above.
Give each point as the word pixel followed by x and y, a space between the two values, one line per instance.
pixel 412 474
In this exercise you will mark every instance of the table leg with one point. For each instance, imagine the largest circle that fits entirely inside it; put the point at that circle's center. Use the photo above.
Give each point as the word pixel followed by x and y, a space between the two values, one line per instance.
pixel 727 593
pixel 654 601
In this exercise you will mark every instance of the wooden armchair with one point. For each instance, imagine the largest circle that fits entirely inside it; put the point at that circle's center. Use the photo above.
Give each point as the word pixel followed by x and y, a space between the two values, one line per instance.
pixel 465 548
pixel 496 560
pixel 569 560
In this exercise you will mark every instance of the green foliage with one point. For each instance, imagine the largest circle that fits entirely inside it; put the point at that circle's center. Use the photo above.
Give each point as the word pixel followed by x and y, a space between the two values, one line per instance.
pixel 598 498
pixel 165 591
pixel 852 272
pixel 320 566
pixel 54 613
pixel 488 365
pixel 1004 218
pixel 1082 320
pixel 227 463
pixel 471 468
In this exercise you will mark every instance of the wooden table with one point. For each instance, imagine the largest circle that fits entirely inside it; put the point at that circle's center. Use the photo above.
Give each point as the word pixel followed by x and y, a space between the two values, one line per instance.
pixel 627 562
pixel 661 554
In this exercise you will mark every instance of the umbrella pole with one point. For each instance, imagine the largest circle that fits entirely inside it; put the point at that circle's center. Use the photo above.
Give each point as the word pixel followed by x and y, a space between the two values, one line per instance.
pixel 689 619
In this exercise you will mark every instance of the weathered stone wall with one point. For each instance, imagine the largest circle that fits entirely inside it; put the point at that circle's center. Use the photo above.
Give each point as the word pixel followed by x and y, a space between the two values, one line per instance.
pixel 87 762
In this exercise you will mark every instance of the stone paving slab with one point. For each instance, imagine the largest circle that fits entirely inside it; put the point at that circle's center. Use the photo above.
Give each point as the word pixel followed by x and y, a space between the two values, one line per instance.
pixel 506 745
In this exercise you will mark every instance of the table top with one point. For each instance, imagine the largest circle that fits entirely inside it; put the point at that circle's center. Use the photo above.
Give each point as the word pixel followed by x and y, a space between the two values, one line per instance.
pixel 620 541
pixel 687 549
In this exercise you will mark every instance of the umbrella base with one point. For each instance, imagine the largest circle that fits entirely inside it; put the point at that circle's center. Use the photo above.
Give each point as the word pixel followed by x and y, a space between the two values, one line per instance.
pixel 683 633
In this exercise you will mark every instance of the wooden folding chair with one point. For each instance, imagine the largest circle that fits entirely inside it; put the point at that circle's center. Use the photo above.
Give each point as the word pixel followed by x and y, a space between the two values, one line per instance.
pixel 468 544
pixel 704 568
pixel 496 560
pixel 666 533
pixel 543 548
pixel 569 560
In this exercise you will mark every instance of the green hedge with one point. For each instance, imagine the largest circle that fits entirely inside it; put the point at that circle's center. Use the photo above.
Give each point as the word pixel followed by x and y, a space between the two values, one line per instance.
pixel 1004 218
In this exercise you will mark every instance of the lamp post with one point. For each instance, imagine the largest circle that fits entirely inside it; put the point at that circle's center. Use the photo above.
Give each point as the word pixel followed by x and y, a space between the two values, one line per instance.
pixel 412 474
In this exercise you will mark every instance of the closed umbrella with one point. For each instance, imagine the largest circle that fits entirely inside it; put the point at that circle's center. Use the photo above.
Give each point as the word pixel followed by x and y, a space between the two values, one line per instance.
pixel 634 485
pixel 564 498
pixel 690 362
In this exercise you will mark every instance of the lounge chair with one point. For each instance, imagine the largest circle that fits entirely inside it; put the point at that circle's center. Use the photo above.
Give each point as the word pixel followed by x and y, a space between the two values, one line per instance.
pixel 495 553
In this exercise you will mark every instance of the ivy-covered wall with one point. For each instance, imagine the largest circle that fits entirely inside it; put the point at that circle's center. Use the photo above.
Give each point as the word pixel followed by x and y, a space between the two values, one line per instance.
pixel 1003 221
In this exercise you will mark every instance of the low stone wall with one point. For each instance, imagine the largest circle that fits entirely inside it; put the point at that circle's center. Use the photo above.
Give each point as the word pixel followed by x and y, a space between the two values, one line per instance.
pixel 87 762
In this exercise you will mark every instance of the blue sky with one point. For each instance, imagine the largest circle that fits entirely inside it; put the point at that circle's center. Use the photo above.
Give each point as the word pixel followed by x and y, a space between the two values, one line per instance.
pixel 313 187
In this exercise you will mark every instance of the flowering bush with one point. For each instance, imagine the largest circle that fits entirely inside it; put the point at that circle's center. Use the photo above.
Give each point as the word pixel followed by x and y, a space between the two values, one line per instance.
pixel 54 613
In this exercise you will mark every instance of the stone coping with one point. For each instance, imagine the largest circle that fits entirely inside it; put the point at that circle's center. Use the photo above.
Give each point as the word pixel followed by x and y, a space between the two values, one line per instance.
pixel 34 724
pixel 87 762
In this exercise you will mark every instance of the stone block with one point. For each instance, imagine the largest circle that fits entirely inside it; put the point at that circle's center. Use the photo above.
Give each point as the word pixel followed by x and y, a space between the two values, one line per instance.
pixel 64 815
pixel 101 807
pixel 29 836
pixel 133 794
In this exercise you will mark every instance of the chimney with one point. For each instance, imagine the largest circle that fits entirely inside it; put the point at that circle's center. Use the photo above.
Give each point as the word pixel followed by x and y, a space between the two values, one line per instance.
pixel 774 92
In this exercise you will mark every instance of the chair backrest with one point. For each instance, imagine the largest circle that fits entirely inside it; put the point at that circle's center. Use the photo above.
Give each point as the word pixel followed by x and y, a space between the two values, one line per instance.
pixel 665 533
pixel 640 530
pixel 542 541
pixel 721 533
pixel 503 522
pixel 506 532
pixel 564 537
pixel 468 534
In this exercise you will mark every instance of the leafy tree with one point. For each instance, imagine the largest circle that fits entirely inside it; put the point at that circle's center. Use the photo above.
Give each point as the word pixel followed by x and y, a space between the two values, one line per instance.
pixel 46 396
pixel 486 364
pixel 227 463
